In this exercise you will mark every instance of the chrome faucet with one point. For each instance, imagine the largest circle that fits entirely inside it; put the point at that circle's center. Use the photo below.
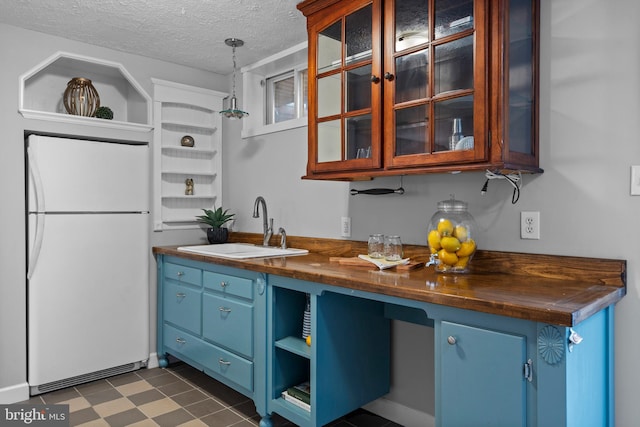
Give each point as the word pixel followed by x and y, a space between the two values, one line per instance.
pixel 267 223
pixel 283 238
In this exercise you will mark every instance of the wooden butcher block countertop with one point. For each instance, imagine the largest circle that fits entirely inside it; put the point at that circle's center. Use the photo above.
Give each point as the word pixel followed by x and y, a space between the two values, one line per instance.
pixel 560 290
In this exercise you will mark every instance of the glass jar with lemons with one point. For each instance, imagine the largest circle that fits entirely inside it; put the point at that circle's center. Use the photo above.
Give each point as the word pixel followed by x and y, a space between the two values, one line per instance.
pixel 451 236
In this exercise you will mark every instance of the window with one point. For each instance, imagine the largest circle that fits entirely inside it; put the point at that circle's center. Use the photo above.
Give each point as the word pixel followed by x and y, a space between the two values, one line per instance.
pixel 274 92
pixel 286 97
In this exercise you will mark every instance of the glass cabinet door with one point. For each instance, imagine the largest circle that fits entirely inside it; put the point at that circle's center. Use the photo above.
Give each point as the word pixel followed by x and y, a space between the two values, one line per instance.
pixel 434 79
pixel 347 91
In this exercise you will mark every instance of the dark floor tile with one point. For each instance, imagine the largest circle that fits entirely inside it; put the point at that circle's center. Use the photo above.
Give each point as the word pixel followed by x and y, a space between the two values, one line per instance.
pixel 221 418
pixel 93 387
pixel 128 378
pixel 174 388
pixel 162 379
pixel 248 408
pixel 147 396
pixel 149 373
pixel 60 395
pixel 82 416
pixel 173 418
pixel 363 418
pixel 246 423
pixel 190 397
pixel 225 394
pixel 125 418
pixel 34 400
pixel 203 408
pixel 103 396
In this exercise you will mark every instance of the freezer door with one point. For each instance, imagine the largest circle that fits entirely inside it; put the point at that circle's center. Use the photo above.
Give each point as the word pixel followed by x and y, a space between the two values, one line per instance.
pixel 70 175
pixel 88 296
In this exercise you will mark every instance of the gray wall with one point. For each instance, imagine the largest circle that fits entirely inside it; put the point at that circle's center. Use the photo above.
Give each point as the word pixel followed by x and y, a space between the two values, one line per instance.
pixel 589 139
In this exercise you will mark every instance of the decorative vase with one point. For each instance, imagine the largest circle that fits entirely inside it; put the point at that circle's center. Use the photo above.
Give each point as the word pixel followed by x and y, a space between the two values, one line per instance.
pixel 217 235
pixel 81 98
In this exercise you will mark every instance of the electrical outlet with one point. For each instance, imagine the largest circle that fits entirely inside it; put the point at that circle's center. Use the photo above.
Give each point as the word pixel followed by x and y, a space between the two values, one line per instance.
pixel 530 225
pixel 345 226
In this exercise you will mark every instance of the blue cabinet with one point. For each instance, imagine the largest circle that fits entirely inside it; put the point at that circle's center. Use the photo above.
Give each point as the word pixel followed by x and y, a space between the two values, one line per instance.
pixel 214 318
pixel 483 377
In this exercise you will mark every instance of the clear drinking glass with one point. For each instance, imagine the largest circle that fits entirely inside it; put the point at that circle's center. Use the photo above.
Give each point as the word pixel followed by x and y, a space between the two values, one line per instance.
pixel 376 246
pixel 392 248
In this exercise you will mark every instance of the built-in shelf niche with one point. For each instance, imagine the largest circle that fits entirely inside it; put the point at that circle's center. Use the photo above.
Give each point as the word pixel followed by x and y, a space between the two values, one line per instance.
pixel 181 110
pixel 43 86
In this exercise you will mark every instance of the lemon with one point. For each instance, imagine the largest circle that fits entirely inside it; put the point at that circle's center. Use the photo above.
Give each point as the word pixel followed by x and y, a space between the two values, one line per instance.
pixel 450 244
pixel 461 233
pixel 445 227
pixel 462 262
pixel 466 248
pixel 308 340
pixel 434 240
pixel 448 258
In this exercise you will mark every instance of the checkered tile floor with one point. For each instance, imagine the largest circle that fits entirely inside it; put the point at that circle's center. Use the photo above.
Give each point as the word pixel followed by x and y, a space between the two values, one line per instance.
pixel 176 396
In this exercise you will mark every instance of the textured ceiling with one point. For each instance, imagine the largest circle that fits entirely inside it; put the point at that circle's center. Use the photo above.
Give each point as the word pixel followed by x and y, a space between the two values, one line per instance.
pixel 187 32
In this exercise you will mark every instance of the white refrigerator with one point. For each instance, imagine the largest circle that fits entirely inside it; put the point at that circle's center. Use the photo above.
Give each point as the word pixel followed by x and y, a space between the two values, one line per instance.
pixel 88 260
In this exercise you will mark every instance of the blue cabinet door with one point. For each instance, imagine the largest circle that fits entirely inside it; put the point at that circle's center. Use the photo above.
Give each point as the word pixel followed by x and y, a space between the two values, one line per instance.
pixel 482 379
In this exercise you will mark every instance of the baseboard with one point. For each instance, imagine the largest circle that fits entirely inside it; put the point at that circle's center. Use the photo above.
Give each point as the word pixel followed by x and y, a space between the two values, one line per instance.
pixel 15 393
pixel 153 361
pixel 400 414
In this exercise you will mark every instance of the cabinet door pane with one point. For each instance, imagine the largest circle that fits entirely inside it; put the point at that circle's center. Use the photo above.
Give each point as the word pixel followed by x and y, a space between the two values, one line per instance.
pixel 329 141
pixel 329 95
pixel 454 121
pixel 411 76
pixel 411 22
pixel 358 27
pixel 358 137
pixel 329 47
pixel 412 131
pixel 453 17
pixel 454 65
pixel 358 88
pixel 521 88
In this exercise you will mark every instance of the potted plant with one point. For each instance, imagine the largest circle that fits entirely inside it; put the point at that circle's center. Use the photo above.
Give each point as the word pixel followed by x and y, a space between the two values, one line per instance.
pixel 215 219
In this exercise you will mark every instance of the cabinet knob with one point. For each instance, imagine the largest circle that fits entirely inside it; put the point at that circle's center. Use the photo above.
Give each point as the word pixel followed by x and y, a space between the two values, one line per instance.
pixel 388 76
pixel 375 79
pixel 223 284
pixel 451 340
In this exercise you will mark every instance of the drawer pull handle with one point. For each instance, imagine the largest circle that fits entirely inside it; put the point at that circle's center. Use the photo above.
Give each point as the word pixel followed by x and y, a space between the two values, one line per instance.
pixel 223 284
pixel 224 309
pixel 180 273
pixel 181 341
pixel 224 362
pixel 180 295
pixel 451 340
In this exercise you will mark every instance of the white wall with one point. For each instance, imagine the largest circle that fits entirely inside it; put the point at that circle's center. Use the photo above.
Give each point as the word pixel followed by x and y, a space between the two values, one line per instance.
pixel 590 122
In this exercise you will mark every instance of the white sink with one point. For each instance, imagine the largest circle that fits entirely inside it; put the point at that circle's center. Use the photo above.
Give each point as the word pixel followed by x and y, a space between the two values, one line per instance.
pixel 241 250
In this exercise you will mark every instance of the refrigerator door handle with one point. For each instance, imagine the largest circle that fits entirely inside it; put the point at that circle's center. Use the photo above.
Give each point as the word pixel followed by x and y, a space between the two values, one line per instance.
pixel 37 182
pixel 39 213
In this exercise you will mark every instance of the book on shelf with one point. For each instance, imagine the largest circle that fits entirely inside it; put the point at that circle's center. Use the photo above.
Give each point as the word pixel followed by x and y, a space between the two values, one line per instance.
pixel 294 400
pixel 301 391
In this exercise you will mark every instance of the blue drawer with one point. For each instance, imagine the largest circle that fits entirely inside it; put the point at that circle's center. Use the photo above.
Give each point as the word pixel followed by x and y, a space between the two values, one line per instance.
pixel 229 285
pixel 183 274
pixel 182 306
pixel 210 357
pixel 228 323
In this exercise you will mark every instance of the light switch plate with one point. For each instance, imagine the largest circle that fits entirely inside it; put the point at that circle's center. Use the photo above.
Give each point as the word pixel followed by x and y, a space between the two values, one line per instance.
pixel 635 180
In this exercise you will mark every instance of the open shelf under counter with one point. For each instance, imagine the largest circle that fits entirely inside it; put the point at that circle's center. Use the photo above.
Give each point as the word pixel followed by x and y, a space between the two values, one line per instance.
pixel 294 345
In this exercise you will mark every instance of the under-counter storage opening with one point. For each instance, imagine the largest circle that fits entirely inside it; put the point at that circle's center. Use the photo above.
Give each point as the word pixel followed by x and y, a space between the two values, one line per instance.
pixel 340 360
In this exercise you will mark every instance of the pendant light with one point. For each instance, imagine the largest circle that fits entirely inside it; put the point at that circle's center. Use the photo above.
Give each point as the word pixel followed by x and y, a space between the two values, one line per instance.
pixel 233 112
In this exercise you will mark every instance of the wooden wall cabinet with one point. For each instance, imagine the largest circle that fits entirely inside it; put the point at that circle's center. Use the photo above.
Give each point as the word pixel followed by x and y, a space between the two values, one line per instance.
pixel 421 86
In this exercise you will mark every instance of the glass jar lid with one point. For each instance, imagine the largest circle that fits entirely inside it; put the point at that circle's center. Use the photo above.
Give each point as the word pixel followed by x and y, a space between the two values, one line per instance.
pixel 452 205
